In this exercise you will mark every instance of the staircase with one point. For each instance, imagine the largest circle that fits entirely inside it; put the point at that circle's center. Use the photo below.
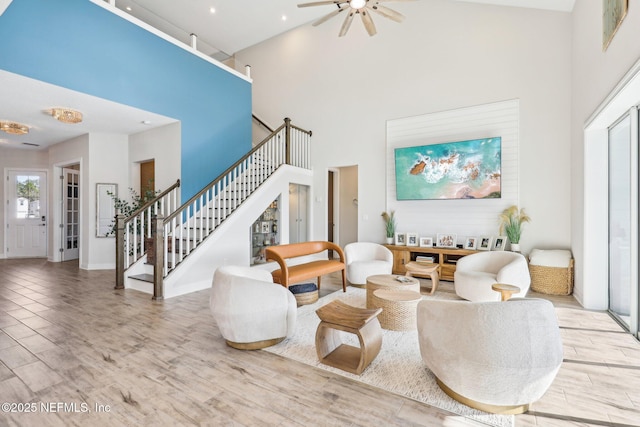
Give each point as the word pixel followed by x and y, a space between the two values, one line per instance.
pixel 174 234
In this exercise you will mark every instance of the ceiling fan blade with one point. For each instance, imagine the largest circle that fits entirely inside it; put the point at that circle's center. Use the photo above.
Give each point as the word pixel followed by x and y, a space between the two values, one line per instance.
pixel 347 23
pixel 393 1
pixel 327 17
pixel 321 3
pixel 367 21
pixel 387 13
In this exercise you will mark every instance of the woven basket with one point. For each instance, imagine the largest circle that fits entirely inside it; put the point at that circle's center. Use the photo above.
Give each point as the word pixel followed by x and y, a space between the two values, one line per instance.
pixel 398 308
pixel 552 280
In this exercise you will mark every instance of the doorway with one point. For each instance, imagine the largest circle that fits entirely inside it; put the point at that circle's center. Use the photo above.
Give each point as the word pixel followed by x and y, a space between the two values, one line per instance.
pixel 147 178
pixel 70 213
pixel 25 214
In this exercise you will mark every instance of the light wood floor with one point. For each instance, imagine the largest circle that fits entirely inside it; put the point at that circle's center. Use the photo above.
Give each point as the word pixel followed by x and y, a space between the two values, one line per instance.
pixel 68 339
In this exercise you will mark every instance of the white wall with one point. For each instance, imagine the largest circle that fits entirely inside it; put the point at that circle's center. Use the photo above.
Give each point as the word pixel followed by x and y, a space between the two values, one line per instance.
pixel 595 74
pixel 16 159
pixel 444 55
pixel 161 144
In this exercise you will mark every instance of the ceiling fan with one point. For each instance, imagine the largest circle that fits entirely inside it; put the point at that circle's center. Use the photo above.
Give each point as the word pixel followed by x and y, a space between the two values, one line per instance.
pixel 360 7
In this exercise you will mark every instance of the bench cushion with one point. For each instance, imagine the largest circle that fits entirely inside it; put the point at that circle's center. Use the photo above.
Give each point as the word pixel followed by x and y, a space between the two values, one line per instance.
pixel 309 270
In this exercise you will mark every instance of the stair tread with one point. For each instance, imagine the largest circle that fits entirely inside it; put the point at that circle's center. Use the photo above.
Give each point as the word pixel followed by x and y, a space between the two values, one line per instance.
pixel 143 277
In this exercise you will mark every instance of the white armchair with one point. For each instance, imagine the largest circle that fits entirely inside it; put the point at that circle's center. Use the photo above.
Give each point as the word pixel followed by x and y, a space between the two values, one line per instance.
pixel 366 259
pixel 477 272
pixel 494 356
pixel 251 311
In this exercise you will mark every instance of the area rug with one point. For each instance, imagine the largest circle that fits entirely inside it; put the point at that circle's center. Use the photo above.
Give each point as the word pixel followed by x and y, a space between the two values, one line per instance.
pixel 398 368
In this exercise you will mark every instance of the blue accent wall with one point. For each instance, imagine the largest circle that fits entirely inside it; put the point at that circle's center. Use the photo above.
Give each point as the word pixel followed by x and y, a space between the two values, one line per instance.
pixel 81 46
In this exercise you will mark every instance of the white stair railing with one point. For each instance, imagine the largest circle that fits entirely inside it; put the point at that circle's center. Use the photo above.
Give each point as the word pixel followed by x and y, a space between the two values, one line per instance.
pixel 188 226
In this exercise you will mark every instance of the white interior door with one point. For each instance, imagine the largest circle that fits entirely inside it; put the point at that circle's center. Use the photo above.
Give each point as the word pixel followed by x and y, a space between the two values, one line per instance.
pixel 26 214
pixel 70 213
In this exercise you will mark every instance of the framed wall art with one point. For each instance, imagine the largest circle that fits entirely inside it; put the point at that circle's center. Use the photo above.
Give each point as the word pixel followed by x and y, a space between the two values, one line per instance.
pixel 446 240
pixel 484 243
pixel 613 13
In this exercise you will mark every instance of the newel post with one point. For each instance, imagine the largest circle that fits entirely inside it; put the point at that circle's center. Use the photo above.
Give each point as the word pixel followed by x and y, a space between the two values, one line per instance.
pixel 157 232
pixel 287 139
pixel 120 251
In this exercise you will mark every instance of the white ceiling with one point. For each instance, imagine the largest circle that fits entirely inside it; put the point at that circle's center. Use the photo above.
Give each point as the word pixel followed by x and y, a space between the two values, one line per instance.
pixel 230 29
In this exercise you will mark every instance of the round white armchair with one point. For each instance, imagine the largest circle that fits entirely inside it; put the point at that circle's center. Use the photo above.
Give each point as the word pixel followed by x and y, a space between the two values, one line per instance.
pixel 477 272
pixel 251 311
pixel 494 356
pixel 366 259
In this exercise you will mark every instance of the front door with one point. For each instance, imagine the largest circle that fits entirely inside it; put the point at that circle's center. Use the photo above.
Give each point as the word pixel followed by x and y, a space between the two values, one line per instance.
pixel 26 214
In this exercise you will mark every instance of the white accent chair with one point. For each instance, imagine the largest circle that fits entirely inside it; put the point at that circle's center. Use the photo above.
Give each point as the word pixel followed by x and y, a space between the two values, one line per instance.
pixel 366 259
pixel 494 356
pixel 476 273
pixel 251 311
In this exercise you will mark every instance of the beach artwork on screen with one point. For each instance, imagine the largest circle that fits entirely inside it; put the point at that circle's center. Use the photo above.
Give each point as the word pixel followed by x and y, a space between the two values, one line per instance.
pixel 453 170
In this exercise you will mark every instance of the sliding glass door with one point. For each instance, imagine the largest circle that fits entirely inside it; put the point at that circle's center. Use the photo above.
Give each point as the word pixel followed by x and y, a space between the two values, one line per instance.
pixel 623 220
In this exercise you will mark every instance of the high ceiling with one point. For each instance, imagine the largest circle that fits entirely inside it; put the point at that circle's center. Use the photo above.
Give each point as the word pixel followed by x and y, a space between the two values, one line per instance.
pixel 221 32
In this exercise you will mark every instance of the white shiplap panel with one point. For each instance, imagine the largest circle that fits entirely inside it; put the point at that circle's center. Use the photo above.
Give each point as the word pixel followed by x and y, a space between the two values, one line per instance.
pixel 462 217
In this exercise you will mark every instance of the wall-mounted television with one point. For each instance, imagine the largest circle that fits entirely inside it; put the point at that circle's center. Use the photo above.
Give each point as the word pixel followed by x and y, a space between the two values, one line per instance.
pixel 453 170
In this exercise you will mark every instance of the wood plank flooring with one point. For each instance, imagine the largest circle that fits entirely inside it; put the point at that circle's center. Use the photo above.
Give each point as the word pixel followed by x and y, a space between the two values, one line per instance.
pixel 77 352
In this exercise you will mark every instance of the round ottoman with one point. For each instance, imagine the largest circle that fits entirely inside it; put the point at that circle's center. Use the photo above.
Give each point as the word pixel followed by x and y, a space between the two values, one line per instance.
pixel 305 293
pixel 399 308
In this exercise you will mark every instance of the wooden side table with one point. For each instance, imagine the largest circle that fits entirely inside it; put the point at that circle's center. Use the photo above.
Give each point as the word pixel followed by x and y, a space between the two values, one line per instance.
pixel 338 316
pixel 390 281
pixel 505 290
pixel 432 270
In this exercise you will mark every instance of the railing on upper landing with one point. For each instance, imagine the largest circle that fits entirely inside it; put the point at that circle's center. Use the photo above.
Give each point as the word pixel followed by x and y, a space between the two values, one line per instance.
pixel 179 233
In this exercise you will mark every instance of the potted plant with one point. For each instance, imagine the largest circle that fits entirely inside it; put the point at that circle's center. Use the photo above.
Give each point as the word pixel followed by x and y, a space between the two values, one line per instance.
pixel 389 225
pixel 511 221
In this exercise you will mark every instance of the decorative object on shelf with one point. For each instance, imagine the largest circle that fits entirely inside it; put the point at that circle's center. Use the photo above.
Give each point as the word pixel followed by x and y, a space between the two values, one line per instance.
pixel 66 115
pixel 446 240
pixel 389 225
pixel 400 239
pixel 511 221
pixel 14 128
pixel 426 242
pixel 471 243
pixel 499 243
pixel 613 13
pixel 484 243
pixel 412 239
pixel 266 228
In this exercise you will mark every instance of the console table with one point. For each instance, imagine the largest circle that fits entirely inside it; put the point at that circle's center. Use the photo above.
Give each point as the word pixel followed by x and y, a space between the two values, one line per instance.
pixel 445 257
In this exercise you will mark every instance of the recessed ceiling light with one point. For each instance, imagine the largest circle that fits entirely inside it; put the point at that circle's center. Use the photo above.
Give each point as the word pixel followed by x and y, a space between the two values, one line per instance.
pixel 146 122
pixel 129 8
pixel 212 10
pixel 284 17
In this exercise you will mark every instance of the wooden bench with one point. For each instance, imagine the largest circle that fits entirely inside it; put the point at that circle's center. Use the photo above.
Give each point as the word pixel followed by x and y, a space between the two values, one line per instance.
pixel 290 274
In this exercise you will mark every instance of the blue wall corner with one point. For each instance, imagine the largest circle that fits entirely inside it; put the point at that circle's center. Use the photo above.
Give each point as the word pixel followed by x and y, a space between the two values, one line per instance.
pixel 81 46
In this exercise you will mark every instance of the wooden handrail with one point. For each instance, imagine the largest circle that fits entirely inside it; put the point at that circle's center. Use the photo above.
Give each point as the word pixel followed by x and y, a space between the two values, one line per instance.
pixel 261 123
pixel 226 172
pixel 152 201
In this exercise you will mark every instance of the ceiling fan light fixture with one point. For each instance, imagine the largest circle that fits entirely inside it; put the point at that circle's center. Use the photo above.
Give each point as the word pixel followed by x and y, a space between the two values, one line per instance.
pixel 357 4
pixel 14 128
pixel 66 115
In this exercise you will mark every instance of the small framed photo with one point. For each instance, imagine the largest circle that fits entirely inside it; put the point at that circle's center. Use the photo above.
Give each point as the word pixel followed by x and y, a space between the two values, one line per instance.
pixel 446 240
pixel 471 243
pixel 412 239
pixel 400 239
pixel 266 227
pixel 484 243
pixel 499 243
pixel 426 242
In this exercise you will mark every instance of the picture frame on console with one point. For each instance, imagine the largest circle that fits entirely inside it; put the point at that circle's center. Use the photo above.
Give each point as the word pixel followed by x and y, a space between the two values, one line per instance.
pixel 499 243
pixel 412 239
pixel 446 240
pixel 484 243
pixel 400 239
pixel 426 242
pixel 471 243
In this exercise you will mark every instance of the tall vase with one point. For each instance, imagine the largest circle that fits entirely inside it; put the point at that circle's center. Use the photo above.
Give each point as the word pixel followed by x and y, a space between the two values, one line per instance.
pixel 515 247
